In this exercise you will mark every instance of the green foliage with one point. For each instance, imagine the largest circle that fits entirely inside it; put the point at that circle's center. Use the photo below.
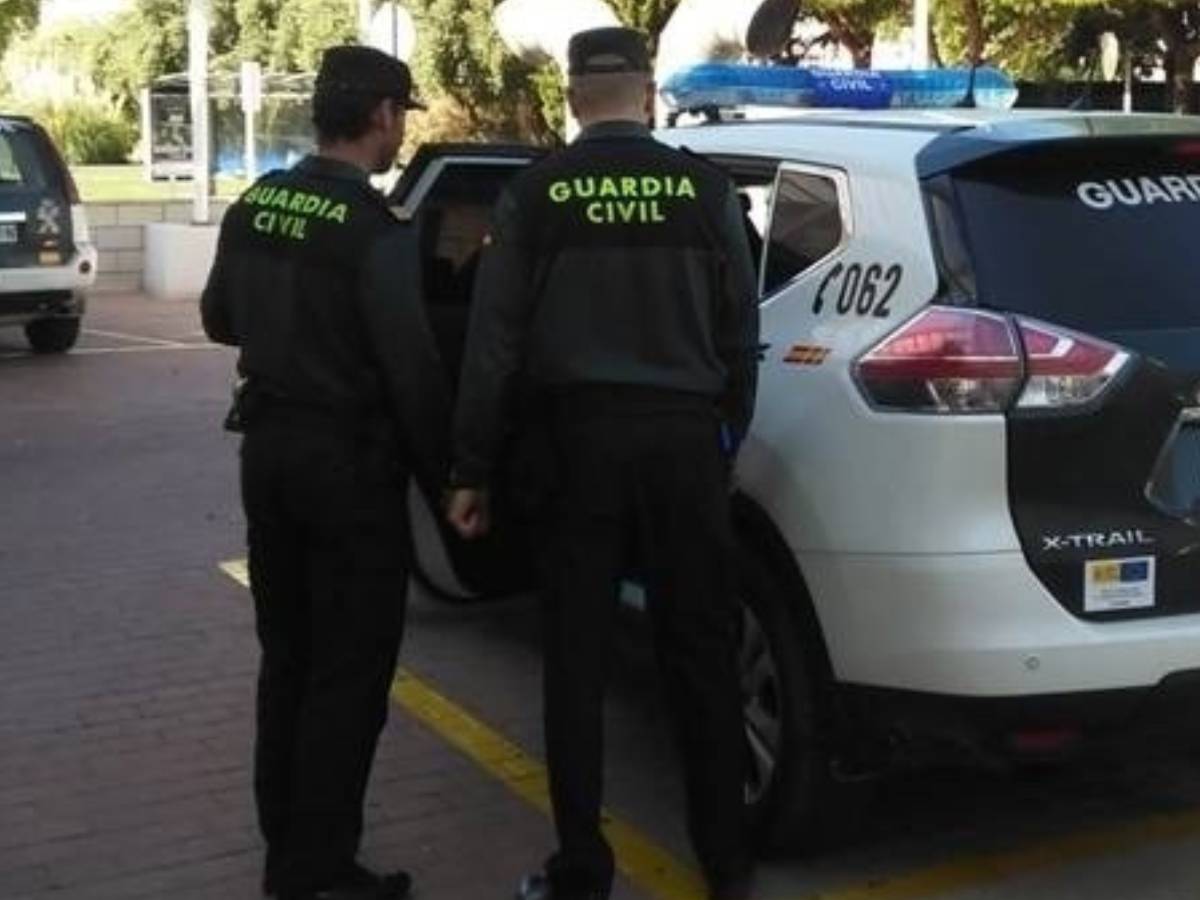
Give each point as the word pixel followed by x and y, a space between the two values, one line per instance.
pixel 86 132
pixel 257 21
pixel 304 28
pixel 461 61
pixel 650 16
pixel 15 15
pixel 855 23
pixel 1028 38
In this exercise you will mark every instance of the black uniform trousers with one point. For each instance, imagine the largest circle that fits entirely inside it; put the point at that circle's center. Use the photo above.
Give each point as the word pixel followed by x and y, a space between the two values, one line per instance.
pixel 640 468
pixel 329 567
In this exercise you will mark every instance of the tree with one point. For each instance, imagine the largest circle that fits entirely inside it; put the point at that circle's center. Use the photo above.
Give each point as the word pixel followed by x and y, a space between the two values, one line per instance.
pixel 15 15
pixel 1177 26
pixel 257 21
pixel 1027 38
pixel 305 28
pixel 854 24
pixel 463 65
pixel 649 16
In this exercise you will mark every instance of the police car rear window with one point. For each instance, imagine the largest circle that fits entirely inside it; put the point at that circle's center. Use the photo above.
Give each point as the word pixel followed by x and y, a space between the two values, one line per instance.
pixel 1098 236
pixel 21 167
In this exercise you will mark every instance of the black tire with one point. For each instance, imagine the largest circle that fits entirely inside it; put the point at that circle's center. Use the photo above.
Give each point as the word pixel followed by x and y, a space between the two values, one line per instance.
pixel 794 801
pixel 52 335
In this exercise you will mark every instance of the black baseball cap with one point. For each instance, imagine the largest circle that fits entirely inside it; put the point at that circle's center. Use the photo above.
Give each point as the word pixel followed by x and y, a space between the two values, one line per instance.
pixel 365 70
pixel 607 51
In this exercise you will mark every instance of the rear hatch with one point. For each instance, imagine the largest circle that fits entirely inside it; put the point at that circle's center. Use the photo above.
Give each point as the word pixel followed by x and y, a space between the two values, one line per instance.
pixel 35 199
pixel 1090 247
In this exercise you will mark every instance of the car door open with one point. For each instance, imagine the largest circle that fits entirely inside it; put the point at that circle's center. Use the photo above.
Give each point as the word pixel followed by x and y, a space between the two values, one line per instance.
pixel 448 192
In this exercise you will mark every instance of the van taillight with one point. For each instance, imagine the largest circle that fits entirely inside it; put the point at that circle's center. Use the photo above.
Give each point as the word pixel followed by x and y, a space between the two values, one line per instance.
pixel 957 361
pixel 1064 368
pixel 944 361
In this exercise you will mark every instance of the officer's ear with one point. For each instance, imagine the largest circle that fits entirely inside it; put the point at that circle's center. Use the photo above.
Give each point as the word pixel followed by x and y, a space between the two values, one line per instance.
pixel 651 101
pixel 381 115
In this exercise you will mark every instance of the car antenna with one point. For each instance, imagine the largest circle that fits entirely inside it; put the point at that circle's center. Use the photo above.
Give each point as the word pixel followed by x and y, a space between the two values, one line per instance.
pixel 969 101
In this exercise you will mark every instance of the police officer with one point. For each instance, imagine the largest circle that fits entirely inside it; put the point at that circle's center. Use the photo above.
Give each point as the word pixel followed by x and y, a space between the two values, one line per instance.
pixel 344 396
pixel 617 286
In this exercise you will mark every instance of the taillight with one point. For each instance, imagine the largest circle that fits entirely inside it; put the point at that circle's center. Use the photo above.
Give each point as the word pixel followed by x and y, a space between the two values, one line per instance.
pixel 944 361
pixel 956 361
pixel 1064 368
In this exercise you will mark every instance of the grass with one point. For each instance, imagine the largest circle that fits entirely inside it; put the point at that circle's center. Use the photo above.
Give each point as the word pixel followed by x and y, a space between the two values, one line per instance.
pixel 110 184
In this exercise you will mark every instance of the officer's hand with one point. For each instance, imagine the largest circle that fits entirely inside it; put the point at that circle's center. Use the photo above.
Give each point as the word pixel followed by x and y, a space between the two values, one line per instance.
pixel 469 511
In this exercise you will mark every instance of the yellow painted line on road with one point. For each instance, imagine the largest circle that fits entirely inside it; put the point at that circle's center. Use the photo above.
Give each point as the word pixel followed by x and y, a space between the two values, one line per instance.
pixel 977 871
pixel 660 875
pixel 639 859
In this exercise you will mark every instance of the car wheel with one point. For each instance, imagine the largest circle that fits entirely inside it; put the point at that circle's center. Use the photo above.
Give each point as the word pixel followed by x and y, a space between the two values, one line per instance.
pixel 52 335
pixel 793 798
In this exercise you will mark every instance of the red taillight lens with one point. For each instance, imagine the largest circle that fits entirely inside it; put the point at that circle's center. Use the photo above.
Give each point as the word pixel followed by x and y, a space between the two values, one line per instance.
pixel 968 361
pixel 944 361
pixel 1065 368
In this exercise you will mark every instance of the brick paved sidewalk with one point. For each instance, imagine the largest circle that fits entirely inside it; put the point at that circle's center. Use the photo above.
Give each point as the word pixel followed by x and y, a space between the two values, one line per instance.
pixel 127 659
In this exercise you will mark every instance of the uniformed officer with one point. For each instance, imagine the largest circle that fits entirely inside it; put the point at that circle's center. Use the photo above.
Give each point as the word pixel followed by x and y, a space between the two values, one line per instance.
pixel 617 289
pixel 344 397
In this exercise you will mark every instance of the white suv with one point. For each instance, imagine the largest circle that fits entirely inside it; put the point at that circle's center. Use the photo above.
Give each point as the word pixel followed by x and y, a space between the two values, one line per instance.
pixel 47 260
pixel 969 507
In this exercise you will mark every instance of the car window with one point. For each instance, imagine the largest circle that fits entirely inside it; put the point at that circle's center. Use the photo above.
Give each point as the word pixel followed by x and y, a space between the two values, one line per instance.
pixel 9 173
pixel 20 164
pixel 1094 236
pixel 807 225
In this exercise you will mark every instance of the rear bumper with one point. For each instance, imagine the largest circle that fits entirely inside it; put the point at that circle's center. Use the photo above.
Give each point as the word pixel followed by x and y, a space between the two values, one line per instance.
pixel 28 294
pixel 978 626
pixel 1042 725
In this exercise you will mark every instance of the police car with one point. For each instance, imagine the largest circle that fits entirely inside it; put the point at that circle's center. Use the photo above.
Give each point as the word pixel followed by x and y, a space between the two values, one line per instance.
pixel 47 260
pixel 969 508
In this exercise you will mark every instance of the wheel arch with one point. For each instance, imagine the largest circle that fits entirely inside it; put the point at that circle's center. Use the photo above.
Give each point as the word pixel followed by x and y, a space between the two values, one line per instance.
pixel 752 522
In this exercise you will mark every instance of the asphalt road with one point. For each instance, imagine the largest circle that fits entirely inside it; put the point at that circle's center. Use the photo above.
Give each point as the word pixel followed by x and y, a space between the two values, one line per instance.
pixel 126 683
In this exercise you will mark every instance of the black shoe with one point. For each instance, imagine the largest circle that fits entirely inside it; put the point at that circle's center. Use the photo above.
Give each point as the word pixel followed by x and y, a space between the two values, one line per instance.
pixel 358 884
pixel 538 887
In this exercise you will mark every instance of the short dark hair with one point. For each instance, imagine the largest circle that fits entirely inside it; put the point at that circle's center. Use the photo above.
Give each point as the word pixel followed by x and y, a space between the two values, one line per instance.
pixel 343 115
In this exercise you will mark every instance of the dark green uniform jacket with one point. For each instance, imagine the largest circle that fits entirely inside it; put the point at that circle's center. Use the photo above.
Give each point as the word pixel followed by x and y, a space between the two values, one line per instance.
pixel 319 285
pixel 617 262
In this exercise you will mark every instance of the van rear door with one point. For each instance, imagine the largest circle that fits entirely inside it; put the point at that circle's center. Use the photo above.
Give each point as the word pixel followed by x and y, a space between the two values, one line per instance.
pixel 1089 245
pixel 35 207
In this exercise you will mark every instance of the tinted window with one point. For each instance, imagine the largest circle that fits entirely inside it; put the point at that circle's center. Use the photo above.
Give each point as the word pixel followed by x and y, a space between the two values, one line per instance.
pixel 20 164
pixel 1098 237
pixel 806 226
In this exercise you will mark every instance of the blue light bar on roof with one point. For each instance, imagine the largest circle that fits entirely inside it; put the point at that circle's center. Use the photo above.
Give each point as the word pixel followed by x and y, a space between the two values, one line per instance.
pixel 724 85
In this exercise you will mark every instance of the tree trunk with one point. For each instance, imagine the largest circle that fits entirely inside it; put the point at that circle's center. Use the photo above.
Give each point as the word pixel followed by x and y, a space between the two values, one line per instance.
pixel 1182 81
pixel 975 38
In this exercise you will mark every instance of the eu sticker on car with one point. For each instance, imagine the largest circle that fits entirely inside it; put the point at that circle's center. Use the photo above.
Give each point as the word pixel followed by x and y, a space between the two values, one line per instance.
pixel 1113 585
pixel 8 234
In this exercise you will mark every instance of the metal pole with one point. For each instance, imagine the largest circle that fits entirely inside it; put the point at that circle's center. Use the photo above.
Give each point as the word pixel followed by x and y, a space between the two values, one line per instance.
pixel 920 59
pixel 366 11
pixel 251 103
pixel 1128 100
pixel 198 24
